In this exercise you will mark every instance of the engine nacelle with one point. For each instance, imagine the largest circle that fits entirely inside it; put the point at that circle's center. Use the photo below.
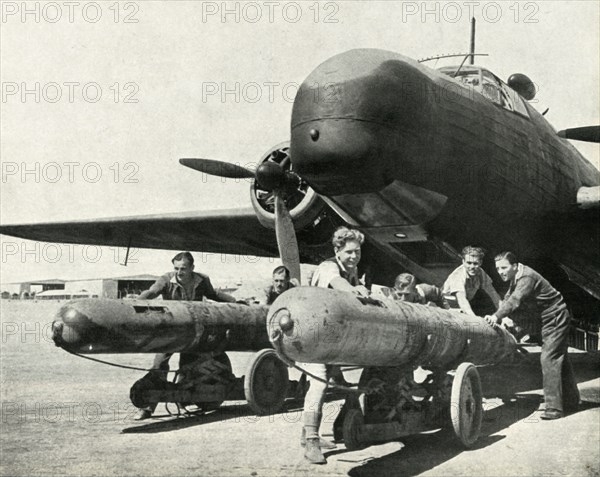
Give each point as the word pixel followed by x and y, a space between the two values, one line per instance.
pixel 304 204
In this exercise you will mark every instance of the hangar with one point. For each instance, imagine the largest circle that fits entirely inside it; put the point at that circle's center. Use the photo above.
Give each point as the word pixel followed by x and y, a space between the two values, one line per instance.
pixel 116 287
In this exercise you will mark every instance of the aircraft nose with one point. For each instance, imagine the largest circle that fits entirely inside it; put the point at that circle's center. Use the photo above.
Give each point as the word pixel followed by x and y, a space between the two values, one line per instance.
pixel 353 116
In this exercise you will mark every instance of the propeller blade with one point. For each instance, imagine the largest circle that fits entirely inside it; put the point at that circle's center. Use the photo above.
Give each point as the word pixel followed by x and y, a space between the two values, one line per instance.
pixel 218 168
pixel 286 238
pixel 587 133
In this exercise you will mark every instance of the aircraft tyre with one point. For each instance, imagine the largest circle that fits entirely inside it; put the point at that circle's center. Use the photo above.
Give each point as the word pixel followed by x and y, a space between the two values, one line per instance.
pixel 218 377
pixel 466 409
pixel 350 430
pixel 266 382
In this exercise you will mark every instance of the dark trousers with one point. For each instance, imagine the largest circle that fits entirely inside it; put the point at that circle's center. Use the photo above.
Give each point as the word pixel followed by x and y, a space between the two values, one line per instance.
pixel 560 386
pixel 161 364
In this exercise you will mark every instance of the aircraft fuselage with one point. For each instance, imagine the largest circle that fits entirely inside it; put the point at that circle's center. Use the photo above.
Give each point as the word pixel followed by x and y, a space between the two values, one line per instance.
pixel 418 154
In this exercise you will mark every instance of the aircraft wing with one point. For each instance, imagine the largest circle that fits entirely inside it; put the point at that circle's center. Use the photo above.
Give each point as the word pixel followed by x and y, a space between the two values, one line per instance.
pixel 234 231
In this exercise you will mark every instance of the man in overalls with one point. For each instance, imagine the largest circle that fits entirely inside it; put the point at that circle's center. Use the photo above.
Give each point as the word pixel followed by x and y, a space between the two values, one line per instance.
pixel 528 287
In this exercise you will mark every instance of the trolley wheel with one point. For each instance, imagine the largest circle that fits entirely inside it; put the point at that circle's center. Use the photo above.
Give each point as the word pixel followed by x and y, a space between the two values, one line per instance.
pixel 466 410
pixel 350 430
pixel 266 383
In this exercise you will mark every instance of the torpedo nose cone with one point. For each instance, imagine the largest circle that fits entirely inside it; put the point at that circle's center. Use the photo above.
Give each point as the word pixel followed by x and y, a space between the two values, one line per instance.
pixel 285 321
pixel 57 331
pixel 69 325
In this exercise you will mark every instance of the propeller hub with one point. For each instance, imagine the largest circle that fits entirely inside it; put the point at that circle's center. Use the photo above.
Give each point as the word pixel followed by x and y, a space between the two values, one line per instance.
pixel 270 176
pixel 285 320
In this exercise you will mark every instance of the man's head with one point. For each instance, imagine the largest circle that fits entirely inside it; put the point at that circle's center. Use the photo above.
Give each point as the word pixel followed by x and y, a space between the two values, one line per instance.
pixel 507 265
pixel 183 264
pixel 405 288
pixel 472 259
pixel 346 245
pixel 281 279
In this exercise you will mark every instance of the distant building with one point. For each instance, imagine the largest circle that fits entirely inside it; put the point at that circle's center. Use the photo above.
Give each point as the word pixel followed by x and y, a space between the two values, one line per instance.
pixel 64 295
pixel 26 289
pixel 118 287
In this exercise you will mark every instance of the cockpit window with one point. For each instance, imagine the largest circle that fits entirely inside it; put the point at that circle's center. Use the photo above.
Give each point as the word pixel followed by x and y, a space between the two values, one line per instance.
pixel 488 85
pixel 492 89
pixel 517 101
pixel 467 75
pixel 470 78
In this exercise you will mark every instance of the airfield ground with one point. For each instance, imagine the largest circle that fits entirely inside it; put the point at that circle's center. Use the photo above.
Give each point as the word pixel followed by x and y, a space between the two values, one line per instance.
pixel 63 415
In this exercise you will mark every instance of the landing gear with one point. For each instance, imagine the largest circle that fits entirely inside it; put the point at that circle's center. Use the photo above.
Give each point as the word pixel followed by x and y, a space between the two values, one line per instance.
pixel 209 381
pixel 206 383
pixel 214 373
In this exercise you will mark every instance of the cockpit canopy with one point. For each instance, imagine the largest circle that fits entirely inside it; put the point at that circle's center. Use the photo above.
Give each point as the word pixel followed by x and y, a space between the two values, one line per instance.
pixel 489 85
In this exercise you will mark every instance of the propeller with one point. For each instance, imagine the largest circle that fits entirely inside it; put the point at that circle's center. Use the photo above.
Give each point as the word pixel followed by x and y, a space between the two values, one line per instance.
pixel 277 184
pixel 218 168
pixel 286 238
pixel 586 133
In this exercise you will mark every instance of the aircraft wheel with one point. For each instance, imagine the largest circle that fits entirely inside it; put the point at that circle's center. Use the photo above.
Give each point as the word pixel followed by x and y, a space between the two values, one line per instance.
pixel 266 382
pixel 466 408
pixel 219 376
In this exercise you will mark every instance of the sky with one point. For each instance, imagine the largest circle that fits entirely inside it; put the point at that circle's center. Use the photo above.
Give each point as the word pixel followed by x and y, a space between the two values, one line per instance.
pixel 100 99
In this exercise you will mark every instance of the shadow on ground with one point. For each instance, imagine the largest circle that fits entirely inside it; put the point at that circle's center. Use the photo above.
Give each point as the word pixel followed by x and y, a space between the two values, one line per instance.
pixel 422 452
pixel 165 422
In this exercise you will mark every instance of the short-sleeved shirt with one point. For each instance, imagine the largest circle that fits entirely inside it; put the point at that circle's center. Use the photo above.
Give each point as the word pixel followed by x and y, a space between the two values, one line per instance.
pixel 460 281
pixel 170 289
pixel 330 269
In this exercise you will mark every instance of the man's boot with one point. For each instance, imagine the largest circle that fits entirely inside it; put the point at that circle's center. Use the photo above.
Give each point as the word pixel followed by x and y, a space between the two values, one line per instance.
pixel 551 414
pixel 142 414
pixel 312 451
pixel 323 443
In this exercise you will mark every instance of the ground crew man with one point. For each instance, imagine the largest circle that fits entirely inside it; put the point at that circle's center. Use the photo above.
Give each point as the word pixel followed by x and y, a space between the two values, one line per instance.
pixel 464 282
pixel 406 289
pixel 526 286
pixel 340 273
pixel 180 284
pixel 281 283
